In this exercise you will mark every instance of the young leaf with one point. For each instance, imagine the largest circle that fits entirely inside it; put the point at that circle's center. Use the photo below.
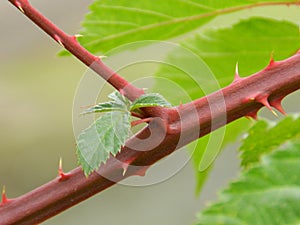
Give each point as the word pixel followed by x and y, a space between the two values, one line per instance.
pixel 266 194
pixel 118 98
pixel 104 107
pixel 118 103
pixel 115 22
pixel 104 137
pixel 149 100
pixel 263 138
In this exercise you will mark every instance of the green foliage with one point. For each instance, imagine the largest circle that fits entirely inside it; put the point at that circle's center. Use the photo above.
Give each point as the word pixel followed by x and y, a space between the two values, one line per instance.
pixel 118 103
pixel 264 137
pixel 111 23
pixel 104 137
pixel 150 100
pixel 268 193
pixel 249 42
pixel 209 146
pixel 109 132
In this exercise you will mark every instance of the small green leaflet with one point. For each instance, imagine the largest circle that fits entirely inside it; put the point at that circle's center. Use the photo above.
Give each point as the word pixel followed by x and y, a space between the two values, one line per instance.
pixel 110 131
pixel 264 137
pixel 118 103
pixel 104 107
pixel 268 193
pixel 150 100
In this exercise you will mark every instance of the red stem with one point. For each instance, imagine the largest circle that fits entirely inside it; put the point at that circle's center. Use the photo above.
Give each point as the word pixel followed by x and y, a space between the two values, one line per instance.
pixel 179 126
pixel 71 44
pixel 168 130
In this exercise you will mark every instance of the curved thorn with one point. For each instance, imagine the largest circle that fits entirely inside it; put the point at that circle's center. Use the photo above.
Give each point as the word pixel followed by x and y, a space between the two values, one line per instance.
pixel 62 176
pixel 125 168
pixel 78 35
pixel 272 62
pixel 57 38
pixel 142 171
pixel 18 4
pixel 237 76
pixel 252 115
pixel 265 102
pixel 277 105
pixel 4 197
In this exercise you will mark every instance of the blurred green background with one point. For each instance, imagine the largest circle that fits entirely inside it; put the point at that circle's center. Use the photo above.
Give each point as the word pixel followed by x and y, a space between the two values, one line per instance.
pixel 36 96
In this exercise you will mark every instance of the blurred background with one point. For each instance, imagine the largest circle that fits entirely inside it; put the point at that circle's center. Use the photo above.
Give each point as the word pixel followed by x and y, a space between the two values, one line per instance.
pixel 36 98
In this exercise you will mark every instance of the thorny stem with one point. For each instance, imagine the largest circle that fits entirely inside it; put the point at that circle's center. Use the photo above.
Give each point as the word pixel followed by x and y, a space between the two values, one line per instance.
pixel 168 130
pixel 71 44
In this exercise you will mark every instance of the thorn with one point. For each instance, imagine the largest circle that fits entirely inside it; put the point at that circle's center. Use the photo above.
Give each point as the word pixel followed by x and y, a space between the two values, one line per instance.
pixel 142 171
pixel 237 76
pixel 101 56
pixel 4 197
pixel 137 122
pixel 272 62
pixel 18 4
pixel 265 102
pixel 58 40
pixel 62 176
pixel 252 115
pixel 277 105
pixel 78 35
pixel 125 168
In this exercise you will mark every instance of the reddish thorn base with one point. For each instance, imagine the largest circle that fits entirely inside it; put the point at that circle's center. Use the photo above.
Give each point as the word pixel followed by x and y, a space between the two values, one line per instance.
pixel 277 105
pixel 142 171
pixel 64 176
pixel 252 115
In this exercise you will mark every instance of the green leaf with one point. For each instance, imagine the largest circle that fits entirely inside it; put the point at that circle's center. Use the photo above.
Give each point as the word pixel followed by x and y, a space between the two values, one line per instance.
pixel 249 42
pixel 268 193
pixel 264 137
pixel 105 107
pixel 119 103
pixel 104 137
pixel 118 98
pixel 111 23
pixel 213 143
pixel 150 100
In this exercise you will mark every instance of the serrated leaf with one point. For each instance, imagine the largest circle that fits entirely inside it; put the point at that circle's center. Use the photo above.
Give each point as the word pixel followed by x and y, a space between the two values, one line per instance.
pixel 249 42
pixel 268 193
pixel 105 107
pixel 150 100
pixel 104 137
pixel 264 137
pixel 111 23
pixel 118 98
pixel 214 143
